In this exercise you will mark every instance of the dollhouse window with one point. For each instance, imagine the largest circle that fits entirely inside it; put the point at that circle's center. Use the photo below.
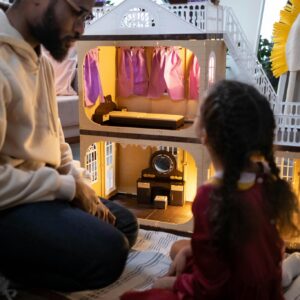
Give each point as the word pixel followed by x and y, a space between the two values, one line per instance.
pixel 92 162
pixel 172 150
pixel 110 182
pixel 138 18
pixel 286 167
pixel 211 69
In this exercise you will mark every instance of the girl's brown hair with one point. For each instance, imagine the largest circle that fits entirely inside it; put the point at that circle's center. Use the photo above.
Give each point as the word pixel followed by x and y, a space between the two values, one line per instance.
pixel 239 123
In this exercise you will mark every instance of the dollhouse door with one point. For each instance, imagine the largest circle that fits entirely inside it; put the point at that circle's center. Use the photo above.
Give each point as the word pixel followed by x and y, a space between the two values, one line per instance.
pixel 110 177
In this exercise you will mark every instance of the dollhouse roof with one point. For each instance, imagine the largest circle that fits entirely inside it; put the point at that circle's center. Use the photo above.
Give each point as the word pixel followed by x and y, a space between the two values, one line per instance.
pixel 136 17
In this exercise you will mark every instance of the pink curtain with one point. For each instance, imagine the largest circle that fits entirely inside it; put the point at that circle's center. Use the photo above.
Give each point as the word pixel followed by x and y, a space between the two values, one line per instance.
pixel 174 75
pixel 157 83
pixel 132 72
pixel 166 74
pixel 92 82
pixel 125 73
pixel 194 78
pixel 140 72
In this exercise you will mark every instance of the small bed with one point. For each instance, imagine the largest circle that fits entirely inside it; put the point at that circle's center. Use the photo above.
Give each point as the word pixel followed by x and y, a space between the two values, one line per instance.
pixel 108 113
pixel 141 119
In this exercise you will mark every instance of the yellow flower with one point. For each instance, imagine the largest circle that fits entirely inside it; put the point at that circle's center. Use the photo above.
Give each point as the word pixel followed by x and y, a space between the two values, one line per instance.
pixel 281 32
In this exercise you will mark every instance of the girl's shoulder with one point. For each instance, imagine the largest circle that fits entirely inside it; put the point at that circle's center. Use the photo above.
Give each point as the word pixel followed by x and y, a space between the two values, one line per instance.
pixel 203 193
pixel 247 180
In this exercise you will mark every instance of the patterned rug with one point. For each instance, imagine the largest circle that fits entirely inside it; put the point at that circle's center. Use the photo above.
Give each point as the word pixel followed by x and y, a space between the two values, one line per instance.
pixel 148 260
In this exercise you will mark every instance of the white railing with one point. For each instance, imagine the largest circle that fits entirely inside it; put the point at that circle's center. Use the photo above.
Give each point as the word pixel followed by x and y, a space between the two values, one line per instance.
pixel 239 48
pixel 218 19
pixel 287 116
pixel 99 12
pixel 206 17
pixel 194 13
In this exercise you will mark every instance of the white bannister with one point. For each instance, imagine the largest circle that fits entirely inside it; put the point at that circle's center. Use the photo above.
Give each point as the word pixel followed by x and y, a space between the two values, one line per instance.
pixel 239 48
pixel 194 13
pixel 99 12
pixel 287 116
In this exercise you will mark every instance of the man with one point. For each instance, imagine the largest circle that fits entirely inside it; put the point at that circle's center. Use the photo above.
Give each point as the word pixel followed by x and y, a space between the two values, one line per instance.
pixel 55 233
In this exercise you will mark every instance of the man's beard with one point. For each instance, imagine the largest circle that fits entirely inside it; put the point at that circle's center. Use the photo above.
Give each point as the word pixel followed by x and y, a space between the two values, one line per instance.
pixel 47 32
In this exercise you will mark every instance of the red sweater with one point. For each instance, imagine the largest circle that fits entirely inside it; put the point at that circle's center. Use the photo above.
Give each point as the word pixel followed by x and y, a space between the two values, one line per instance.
pixel 255 273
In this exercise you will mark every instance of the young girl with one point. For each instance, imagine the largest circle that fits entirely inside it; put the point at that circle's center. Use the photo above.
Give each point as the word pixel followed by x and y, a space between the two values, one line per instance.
pixel 235 252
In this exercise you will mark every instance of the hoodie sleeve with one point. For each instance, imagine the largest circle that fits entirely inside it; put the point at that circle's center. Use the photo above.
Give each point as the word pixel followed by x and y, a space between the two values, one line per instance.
pixel 19 186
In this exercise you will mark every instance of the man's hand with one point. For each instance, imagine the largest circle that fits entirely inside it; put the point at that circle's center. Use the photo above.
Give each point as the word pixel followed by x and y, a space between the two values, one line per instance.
pixel 87 200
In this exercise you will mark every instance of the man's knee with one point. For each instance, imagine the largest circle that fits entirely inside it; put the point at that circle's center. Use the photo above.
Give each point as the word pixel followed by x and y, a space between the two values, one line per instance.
pixel 108 263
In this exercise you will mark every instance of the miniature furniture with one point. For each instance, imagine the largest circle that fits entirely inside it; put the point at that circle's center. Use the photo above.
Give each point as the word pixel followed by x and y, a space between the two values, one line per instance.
pixel 108 113
pixel 161 181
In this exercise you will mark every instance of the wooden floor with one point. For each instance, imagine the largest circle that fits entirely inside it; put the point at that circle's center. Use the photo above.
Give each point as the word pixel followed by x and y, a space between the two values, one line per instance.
pixel 173 214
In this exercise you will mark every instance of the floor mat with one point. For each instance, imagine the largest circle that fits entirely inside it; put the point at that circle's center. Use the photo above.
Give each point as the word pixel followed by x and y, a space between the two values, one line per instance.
pixel 148 260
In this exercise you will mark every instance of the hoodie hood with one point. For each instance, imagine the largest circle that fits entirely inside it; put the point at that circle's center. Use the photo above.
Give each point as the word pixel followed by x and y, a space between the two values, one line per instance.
pixel 11 37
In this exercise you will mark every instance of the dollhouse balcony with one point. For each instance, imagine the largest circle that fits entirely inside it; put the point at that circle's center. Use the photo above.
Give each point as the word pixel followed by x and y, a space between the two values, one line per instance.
pixel 287 116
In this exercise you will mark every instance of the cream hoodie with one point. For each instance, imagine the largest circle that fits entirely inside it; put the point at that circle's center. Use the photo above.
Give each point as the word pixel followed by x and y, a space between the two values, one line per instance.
pixel 35 162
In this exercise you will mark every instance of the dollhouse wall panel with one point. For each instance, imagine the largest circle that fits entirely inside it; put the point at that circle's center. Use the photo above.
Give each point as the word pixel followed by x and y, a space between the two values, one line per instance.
pixel 197 155
pixel 131 160
pixel 135 103
pixel 164 104
pixel 135 145
pixel 196 158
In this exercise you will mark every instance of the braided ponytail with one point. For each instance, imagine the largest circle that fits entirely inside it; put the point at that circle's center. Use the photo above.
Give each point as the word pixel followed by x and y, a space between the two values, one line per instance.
pixel 239 122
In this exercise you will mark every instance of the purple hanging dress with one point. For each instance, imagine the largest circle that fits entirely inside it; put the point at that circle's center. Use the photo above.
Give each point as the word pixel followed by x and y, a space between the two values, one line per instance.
pixel 92 82
pixel 140 72
pixel 125 81
pixel 174 75
pixel 157 83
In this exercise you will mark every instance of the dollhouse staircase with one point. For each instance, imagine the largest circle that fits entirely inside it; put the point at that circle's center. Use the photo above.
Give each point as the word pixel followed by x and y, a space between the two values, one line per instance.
pixel 220 22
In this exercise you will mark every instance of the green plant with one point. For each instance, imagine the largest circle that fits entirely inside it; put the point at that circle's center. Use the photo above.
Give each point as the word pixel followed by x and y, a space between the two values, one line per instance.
pixel 263 54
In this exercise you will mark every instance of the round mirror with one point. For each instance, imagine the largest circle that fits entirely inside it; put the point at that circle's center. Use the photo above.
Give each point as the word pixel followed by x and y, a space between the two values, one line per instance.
pixel 163 164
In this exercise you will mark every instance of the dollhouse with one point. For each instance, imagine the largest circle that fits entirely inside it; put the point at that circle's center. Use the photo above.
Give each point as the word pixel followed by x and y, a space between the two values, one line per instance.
pixel 179 51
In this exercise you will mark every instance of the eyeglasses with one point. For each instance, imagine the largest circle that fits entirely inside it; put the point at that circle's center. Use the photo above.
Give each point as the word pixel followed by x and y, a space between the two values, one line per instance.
pixel 82 13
